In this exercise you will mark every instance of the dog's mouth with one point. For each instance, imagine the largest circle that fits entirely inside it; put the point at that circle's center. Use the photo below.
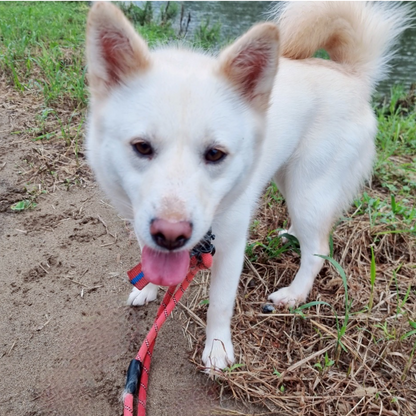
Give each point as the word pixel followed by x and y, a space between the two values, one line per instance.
pixel 165 268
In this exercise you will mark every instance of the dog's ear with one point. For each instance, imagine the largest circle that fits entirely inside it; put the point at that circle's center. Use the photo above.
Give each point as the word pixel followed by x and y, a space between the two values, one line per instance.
pixel 115 51
pixel 250 63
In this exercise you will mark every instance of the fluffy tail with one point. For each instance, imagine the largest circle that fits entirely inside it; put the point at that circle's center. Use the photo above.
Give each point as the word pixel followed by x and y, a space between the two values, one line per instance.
pixel 360 35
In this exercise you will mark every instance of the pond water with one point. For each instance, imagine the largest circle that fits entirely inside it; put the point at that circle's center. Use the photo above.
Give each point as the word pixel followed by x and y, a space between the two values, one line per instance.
pixel 236 17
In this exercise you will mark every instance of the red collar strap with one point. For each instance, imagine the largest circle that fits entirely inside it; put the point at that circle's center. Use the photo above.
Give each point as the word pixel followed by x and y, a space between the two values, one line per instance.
pixel 138 372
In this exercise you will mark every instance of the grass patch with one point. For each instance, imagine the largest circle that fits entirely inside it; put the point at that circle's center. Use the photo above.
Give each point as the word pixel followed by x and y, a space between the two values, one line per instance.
pixel 42 49
pixel 395 168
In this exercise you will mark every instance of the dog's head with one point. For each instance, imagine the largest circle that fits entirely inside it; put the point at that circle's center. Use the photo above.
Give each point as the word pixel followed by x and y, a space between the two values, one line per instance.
pixel 173 134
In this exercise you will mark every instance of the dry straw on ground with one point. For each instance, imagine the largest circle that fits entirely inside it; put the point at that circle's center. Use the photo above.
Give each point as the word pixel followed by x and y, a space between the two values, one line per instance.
pixel 292 363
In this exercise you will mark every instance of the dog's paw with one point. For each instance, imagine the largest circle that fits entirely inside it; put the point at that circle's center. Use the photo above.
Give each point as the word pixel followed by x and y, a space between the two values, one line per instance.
pixel 218 354
pixel 142 297
pixel 288 297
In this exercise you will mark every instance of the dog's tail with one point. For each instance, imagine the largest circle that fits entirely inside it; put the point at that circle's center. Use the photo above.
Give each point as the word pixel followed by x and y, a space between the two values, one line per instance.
pixel 359 35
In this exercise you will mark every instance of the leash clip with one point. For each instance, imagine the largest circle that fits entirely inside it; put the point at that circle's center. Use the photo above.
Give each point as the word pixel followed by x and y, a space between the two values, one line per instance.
pixel 205 246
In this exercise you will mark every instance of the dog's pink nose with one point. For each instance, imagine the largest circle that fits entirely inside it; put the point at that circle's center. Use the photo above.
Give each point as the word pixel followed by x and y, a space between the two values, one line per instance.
pixel 170 235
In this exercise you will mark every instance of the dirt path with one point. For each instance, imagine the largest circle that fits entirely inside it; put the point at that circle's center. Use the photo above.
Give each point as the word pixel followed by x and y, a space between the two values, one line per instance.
pixel 66 335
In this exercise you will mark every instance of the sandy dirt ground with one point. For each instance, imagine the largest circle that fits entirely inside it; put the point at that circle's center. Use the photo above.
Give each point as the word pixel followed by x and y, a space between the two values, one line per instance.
pixel 66 334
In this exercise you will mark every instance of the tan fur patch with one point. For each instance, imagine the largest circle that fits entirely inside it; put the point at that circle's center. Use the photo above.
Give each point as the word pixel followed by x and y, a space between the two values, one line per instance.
pixel 173 209
pixel 343 69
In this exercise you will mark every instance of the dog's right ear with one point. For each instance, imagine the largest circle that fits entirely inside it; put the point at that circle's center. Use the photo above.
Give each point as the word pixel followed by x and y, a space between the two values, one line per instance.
pixel 115 51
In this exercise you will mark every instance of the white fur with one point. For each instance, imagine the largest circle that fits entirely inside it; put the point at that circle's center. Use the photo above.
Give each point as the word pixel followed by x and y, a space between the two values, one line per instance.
pixel 318 141
pixel 142 297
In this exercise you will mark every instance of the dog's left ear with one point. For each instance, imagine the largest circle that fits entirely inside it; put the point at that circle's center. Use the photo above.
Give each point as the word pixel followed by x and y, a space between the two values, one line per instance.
pixel 250 63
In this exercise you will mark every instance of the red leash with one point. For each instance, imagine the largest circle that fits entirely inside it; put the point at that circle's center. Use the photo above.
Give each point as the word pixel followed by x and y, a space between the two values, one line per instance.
pixel 138 372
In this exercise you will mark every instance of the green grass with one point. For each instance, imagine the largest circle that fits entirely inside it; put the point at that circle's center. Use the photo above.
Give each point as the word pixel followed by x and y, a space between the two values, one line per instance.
pixel 395 167
pixel 388 211
pixel 206 35
pixel 272 246
pixel 43 45
pixel 326 364
pixel 23 205
pixel 42 48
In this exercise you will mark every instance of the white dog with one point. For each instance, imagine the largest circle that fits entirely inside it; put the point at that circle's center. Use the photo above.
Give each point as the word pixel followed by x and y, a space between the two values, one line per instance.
pixel 182 141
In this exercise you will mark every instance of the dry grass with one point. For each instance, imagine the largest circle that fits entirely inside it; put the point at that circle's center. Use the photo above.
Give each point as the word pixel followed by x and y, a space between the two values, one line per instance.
pixel 290 362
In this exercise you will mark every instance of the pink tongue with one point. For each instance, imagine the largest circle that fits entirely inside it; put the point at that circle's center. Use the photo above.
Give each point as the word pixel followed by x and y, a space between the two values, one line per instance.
pixel 165 269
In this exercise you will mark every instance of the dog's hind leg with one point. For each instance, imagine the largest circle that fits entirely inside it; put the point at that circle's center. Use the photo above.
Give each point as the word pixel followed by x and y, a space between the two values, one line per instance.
pixel 312 241
pixel 314 196
pixel 313 211
pixel 320 181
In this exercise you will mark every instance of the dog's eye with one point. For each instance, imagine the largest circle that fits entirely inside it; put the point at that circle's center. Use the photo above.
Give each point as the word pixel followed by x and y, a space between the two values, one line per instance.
pixel 214 155
pixel 143 148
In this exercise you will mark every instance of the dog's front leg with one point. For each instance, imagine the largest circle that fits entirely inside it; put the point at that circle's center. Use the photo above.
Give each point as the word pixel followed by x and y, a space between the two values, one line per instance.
pixel 230 240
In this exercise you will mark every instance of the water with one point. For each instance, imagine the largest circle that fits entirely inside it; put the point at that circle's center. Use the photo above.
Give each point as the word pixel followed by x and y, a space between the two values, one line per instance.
pixel 238 16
